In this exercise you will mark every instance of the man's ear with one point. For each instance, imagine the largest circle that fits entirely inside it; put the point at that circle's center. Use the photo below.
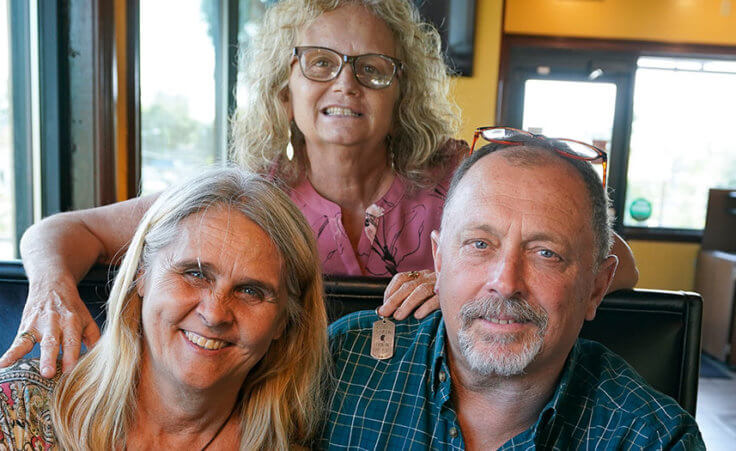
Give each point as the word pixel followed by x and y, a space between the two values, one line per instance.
pixel 602 280
pixel 435 238
pixel 436 254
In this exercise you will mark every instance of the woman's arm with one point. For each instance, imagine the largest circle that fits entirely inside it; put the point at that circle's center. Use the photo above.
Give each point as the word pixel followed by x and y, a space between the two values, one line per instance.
pixel 626 273
pixel 57 253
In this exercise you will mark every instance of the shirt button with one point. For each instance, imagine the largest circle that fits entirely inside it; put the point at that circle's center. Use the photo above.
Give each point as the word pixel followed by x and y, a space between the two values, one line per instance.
pixel 442 376
pixel 453 432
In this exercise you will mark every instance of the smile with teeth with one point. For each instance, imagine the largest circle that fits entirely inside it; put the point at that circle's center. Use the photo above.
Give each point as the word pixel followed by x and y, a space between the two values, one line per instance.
pixel 503 321
pixel 338 111
pixel 205 343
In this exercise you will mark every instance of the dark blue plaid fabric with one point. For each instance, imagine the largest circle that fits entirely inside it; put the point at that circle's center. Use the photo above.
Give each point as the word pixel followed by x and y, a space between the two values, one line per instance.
pixel 404 402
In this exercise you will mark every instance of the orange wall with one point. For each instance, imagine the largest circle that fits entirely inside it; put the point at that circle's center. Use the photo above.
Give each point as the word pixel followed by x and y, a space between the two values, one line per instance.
pixel 684 21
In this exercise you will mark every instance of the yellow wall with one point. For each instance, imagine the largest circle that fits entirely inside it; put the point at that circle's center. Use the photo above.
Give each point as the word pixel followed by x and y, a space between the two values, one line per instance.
pixel 684 21
pixel 665 266
pixel 476 95
pixel 662 265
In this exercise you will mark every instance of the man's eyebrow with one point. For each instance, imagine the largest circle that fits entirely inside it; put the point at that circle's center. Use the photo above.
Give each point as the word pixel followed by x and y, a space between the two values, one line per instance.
pixel 482 227
pixel 549 237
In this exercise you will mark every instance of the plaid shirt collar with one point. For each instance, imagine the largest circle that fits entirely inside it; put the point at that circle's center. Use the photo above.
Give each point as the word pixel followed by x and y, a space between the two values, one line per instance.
pixel 556 403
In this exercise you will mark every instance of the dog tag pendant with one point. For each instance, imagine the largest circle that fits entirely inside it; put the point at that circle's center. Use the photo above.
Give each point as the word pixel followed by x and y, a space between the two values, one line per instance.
pixel 382 339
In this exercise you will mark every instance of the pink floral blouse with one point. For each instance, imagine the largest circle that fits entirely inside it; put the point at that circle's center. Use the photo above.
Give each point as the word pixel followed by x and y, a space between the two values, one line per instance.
pixel 396 232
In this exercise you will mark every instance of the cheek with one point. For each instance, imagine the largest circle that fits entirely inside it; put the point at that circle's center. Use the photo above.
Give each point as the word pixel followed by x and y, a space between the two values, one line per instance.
pixel 259 324
pixel 168 302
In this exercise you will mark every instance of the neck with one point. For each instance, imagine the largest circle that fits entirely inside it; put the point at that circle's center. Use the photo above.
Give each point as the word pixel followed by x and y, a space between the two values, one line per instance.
pixel 494 409
pixel 169 415
pixel 353 177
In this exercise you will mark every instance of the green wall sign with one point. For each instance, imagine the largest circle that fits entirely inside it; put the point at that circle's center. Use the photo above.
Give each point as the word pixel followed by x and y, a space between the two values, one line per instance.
pixel 640 209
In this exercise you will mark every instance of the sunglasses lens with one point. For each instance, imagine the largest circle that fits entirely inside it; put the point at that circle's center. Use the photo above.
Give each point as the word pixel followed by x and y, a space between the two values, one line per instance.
pixel 319 64
pixel 582 151
pixel 498 134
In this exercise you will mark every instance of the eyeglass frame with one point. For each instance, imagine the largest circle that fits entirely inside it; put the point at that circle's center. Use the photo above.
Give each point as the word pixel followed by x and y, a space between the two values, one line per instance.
pixel 349 59
pixel 602 157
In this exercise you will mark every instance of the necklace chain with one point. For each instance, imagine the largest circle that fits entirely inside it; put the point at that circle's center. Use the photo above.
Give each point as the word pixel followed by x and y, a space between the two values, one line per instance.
pixel 222 426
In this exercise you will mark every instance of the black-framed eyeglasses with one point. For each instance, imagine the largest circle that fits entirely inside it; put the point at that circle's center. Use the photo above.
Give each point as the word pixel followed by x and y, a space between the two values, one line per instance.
pixel 372 70
pixel 572 148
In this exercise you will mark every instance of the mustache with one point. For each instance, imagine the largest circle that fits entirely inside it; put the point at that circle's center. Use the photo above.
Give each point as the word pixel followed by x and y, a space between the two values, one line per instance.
pixel 493 306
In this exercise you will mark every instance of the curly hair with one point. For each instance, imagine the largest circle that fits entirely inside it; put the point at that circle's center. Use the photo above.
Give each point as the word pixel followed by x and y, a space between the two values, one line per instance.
pixel 425 116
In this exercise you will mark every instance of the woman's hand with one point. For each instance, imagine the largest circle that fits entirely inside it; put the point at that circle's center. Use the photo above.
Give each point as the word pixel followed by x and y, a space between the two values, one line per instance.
pixel 409 292
pixel 56 317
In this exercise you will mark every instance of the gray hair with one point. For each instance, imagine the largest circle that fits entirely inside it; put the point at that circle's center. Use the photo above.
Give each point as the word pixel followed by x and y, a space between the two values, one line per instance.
pixel 526 153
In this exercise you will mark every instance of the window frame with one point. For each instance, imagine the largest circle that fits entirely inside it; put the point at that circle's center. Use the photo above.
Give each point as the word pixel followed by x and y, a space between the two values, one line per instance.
pixel 575 56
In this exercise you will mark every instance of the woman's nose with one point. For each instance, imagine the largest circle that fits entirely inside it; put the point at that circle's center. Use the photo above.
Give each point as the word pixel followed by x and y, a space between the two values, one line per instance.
pixel 214 308
pixel 346 81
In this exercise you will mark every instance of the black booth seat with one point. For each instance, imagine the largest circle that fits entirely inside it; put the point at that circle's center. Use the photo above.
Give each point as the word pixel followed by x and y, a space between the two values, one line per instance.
pixel 657 332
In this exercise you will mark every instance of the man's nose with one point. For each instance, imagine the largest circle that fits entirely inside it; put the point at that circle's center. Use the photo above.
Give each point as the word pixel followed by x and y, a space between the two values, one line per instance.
pixel 507 274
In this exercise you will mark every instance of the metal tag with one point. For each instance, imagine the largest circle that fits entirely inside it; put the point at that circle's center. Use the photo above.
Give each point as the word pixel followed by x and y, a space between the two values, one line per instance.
pixel 382 339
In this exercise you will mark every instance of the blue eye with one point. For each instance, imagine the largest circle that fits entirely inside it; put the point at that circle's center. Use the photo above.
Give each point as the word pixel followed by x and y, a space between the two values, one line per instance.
pixel 196 274
pixel 546 253
pixel 478 244
pixel 252 293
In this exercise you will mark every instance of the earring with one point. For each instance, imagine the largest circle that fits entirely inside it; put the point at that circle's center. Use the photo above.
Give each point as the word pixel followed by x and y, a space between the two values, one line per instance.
pixel 289 147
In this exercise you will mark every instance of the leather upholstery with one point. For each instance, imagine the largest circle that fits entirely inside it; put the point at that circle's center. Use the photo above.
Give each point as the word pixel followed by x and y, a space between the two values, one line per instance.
pixel 657 332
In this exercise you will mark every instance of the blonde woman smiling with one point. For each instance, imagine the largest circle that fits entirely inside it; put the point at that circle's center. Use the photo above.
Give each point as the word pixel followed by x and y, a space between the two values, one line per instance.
pixel 215 335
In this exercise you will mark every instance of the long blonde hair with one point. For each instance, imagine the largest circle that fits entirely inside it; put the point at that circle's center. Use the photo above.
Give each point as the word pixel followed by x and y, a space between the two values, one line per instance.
pixel 281 399
pixel 425 116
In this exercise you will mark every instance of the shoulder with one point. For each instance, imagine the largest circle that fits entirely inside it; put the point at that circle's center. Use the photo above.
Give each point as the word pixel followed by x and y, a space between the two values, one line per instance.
pixel 25 405
pixel 619 395
pixel 350 345
pixel 357 328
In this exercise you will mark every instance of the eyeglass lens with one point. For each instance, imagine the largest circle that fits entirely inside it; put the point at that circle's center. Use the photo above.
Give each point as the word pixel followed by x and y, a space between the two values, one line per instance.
pixel 575 148
pixel 372 71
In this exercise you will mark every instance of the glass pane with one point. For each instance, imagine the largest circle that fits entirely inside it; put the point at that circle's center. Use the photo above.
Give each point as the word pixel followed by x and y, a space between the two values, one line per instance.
pixel 177 90
pixel 578 110
pixel 681 145
pixel 7 213
pixel 249 14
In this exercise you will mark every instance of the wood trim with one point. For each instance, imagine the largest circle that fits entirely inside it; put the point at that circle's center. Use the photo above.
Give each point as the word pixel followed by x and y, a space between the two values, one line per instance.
pixel 104 119
pixel 663 48
pixel 129 100
pixel 127 162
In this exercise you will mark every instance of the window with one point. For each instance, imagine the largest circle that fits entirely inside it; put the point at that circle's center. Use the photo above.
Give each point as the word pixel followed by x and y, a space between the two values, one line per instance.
pixel 177 64
pixel 7 213
pixel 681 140
pixel 665 121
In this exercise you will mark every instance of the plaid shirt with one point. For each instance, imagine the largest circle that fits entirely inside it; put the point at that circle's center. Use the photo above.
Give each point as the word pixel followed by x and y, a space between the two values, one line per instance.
pixel 405 403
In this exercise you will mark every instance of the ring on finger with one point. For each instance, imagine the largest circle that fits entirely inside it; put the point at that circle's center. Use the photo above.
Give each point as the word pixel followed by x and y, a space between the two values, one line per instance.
pixel 29 334
pixel 412 274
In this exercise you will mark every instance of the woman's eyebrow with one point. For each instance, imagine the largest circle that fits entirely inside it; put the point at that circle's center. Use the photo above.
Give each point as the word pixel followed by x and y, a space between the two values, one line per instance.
pixel 208 268
pixel 194 263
